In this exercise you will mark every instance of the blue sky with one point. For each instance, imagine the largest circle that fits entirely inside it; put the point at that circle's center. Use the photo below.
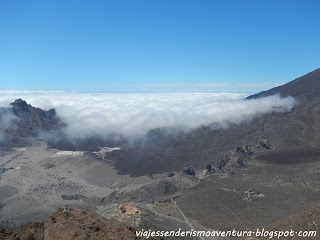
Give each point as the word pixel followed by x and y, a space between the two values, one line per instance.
pixel 153 45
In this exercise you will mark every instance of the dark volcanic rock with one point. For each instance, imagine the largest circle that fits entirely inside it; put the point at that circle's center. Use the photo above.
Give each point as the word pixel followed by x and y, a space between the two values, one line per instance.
pixel 236 157
pixel 264 143
pixel 23 121
pixel 209 168
pixel 189 170
pixel 35 118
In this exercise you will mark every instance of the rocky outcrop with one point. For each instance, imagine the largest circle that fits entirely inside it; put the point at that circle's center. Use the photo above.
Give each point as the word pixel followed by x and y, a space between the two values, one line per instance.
pixel 206 171
pixel 236 157
pixel 241 153
pixel 72 224
pixel 23 120
pixel 264 143
pixel 32 118
pixel 189 170
pixel 209 168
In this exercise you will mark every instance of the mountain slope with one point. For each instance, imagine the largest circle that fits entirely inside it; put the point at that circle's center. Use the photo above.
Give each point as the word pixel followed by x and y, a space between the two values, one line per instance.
pixel 290 132
pixel 301 87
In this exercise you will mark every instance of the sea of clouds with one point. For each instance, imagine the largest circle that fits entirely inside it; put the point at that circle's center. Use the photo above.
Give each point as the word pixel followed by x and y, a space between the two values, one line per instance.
pixel 133 114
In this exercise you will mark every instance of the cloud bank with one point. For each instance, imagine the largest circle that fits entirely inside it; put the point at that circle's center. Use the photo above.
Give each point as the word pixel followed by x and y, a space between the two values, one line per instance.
pixel 133 114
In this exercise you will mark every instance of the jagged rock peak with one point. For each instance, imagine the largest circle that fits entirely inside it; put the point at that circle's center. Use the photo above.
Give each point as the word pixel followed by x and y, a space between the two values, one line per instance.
pixel 23 105
pixel 19 102
pixel 35 117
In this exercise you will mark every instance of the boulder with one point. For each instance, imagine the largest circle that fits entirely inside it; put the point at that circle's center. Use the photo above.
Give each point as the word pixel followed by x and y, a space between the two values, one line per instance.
pixel 264 143
pixel 189 170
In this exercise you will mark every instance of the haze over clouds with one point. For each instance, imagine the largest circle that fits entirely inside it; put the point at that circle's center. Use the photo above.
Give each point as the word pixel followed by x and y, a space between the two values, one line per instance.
pixel 133 114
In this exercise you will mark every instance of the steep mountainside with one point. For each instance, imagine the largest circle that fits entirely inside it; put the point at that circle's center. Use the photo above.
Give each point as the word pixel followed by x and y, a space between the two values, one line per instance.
pixel 301 87
pixel 294 135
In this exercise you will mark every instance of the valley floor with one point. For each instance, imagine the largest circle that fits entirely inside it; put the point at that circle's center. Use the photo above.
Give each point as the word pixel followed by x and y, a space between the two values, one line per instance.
pixel 35 181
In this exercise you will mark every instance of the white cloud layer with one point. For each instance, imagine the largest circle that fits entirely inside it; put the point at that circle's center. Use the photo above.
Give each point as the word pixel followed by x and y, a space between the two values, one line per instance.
pixel 133 114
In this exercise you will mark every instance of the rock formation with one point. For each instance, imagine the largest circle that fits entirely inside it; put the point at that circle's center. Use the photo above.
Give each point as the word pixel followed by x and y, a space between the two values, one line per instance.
pixel 189 170
pixel 32 118
pixel 72 224
pixel 236 157
pixel 23 120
